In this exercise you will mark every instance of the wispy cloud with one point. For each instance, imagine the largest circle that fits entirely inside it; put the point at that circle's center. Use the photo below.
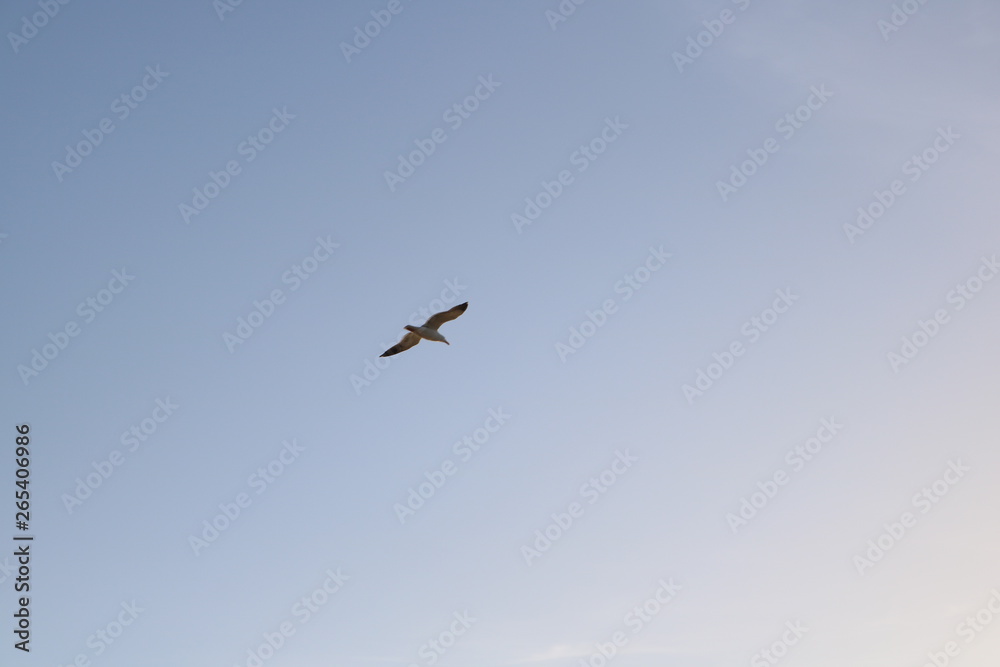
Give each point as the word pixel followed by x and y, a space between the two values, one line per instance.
pixel 555 652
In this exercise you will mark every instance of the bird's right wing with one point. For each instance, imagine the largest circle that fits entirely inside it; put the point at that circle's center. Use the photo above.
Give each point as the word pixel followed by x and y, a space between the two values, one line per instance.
pixel 437 319
pixel 409 340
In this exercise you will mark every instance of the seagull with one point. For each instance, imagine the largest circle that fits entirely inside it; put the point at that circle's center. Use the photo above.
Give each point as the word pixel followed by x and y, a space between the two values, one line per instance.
pixel 428 331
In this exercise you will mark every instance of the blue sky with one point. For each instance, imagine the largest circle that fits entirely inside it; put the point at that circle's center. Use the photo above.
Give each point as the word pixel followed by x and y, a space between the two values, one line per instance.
pixel 691 396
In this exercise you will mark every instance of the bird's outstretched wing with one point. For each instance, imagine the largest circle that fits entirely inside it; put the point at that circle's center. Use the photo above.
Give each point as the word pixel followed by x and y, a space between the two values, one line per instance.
pixel 438 319
pixel 409 340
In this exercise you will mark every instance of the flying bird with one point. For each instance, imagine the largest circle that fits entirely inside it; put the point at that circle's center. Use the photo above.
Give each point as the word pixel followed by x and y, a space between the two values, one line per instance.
pixel 428 331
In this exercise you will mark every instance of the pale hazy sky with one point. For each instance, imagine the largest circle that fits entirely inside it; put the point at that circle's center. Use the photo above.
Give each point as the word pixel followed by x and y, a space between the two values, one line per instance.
pixel 215 221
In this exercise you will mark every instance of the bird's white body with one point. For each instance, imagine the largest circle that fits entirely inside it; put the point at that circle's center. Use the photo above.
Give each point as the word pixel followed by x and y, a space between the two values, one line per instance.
pixel 427 333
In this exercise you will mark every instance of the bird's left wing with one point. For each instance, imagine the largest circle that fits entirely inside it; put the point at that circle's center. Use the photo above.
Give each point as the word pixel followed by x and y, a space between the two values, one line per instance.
pixel 408 340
